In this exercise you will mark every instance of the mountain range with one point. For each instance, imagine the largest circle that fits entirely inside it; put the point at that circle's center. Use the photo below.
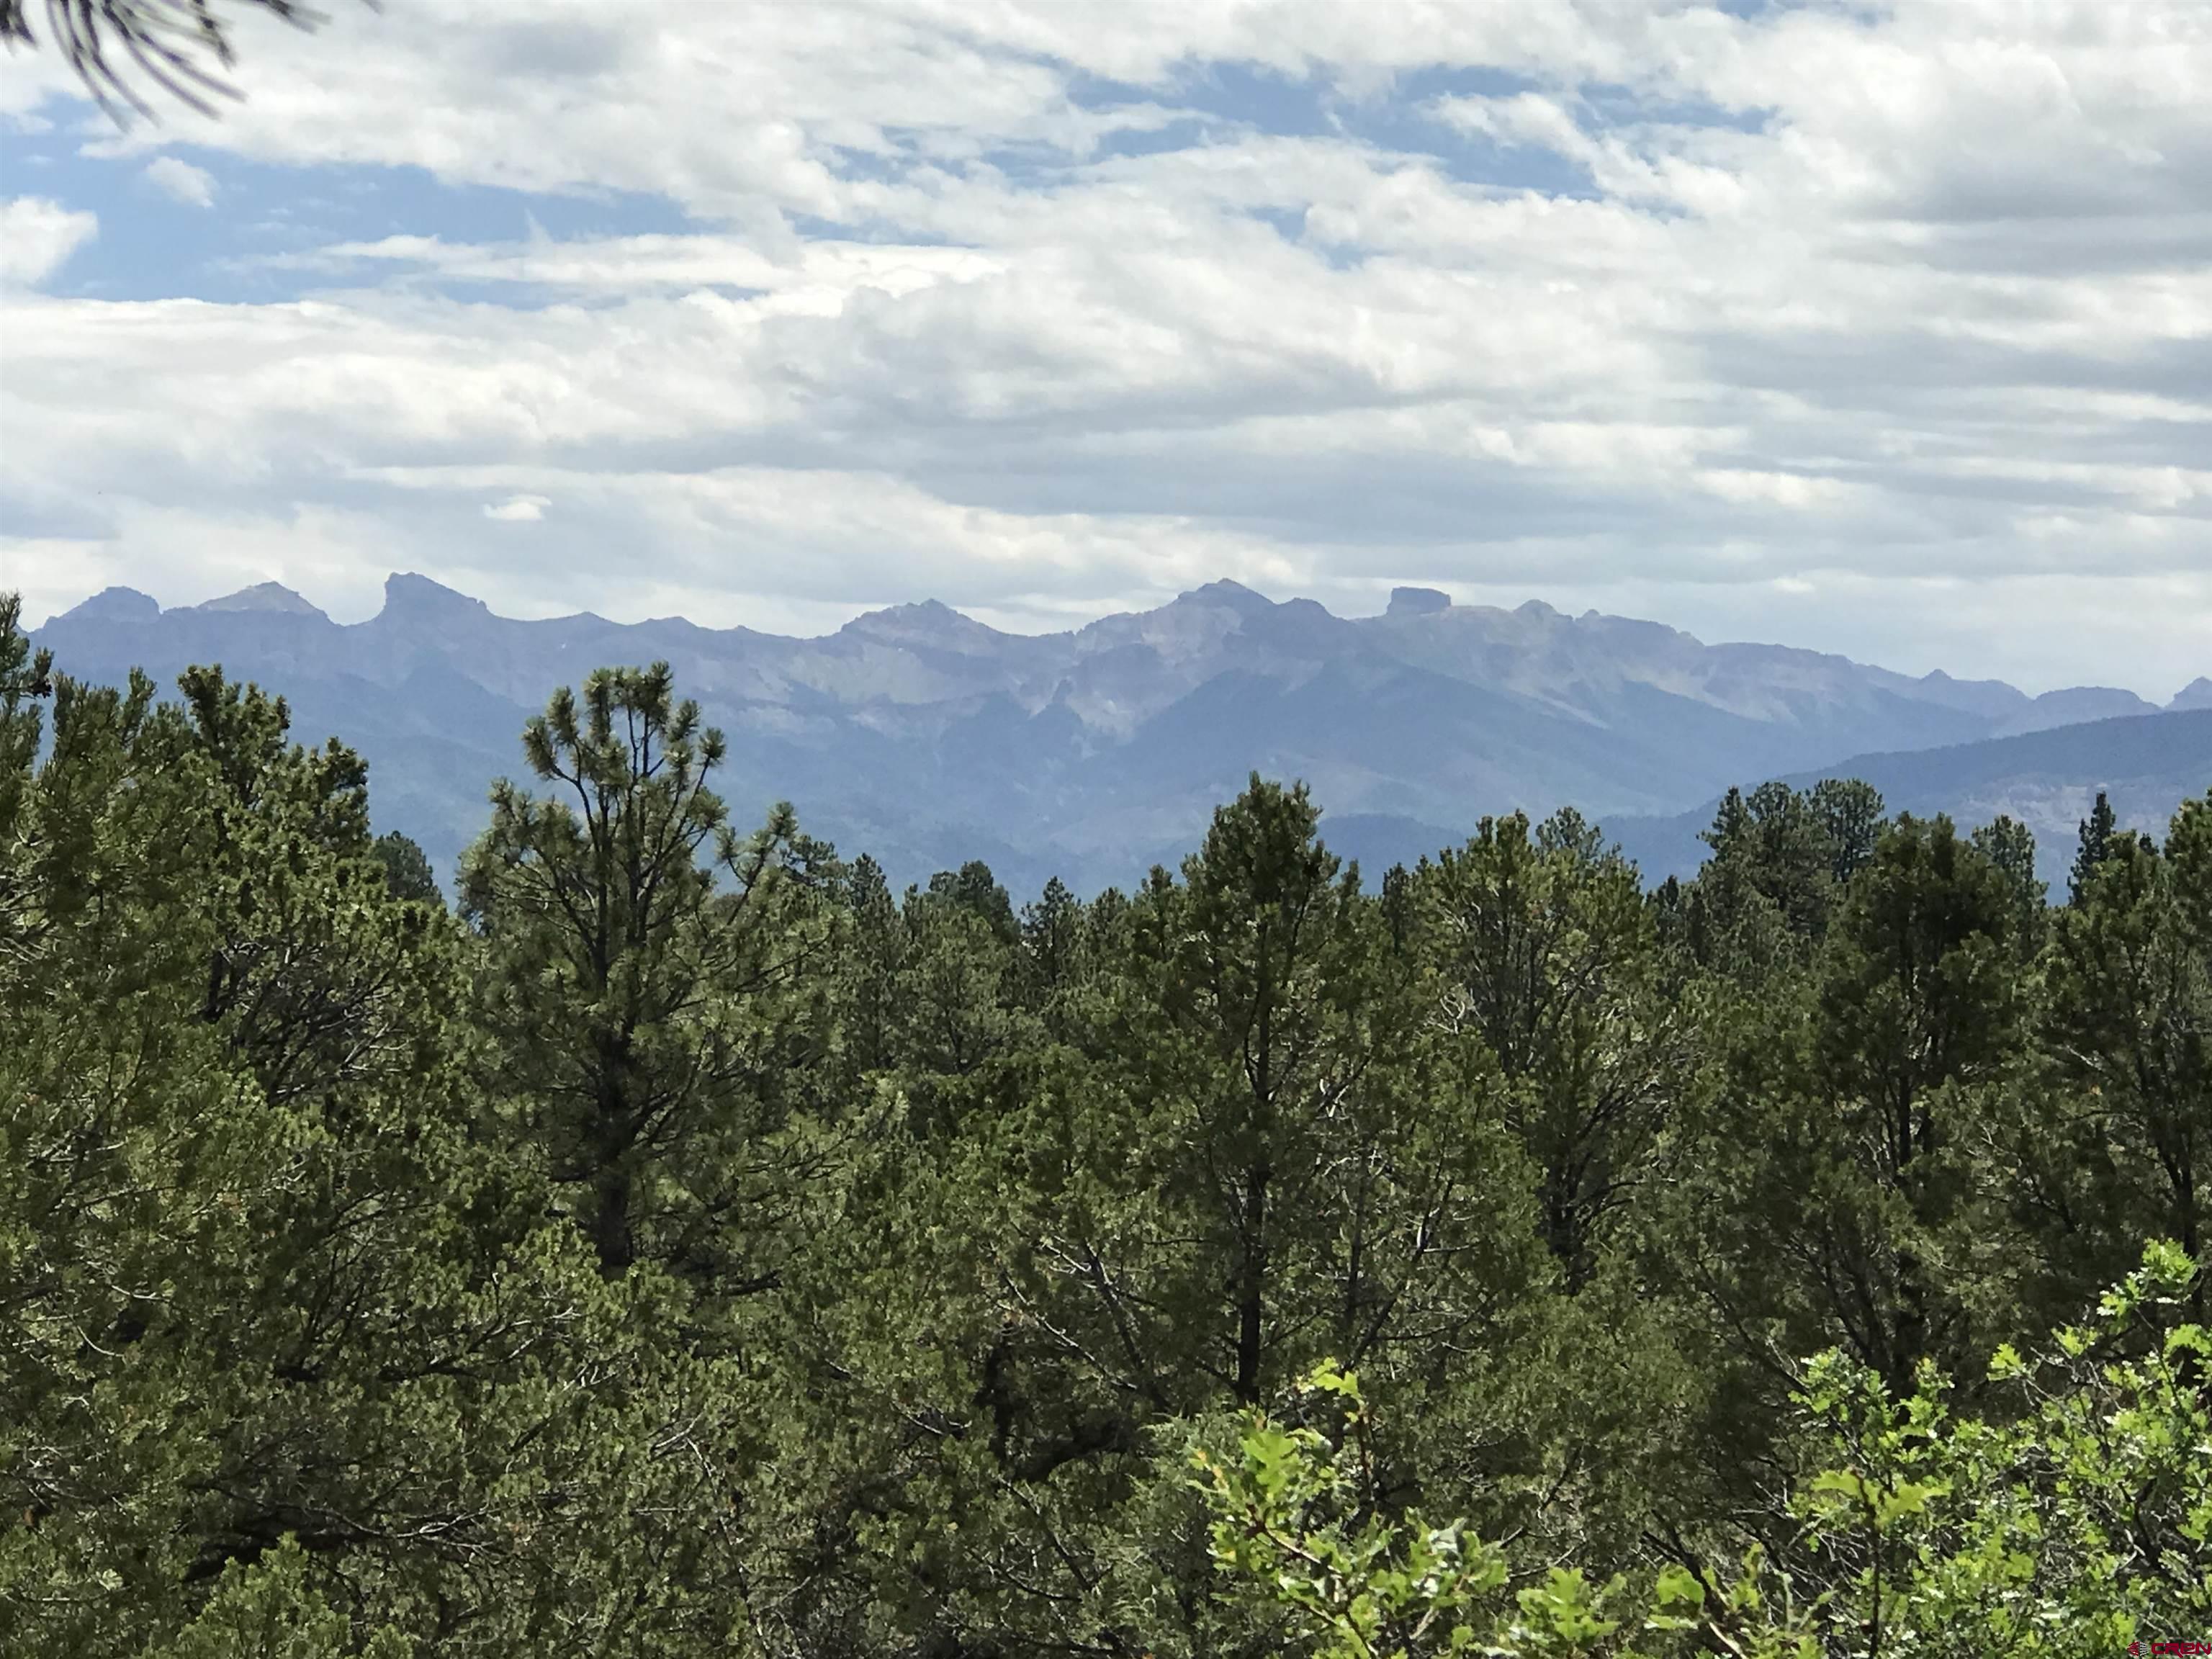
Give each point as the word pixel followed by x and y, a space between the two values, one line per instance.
pixel 926 738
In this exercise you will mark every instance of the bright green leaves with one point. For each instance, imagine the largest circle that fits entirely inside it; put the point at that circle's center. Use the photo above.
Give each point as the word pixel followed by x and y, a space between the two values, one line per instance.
pixel 2070 1523
pixel 1294 1519
pixel 1678 1598
pixel 272 1609
pixel 1302 1524
pixel 2071 1526
pixel 1881 1507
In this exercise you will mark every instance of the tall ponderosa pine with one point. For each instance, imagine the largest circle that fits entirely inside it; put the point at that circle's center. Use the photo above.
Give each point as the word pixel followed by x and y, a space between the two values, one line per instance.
pixel 1852 818
pixel 2009 845
pixel 645 994
pixel 1319 1152
pixel 1917 993
pixel 1240 1146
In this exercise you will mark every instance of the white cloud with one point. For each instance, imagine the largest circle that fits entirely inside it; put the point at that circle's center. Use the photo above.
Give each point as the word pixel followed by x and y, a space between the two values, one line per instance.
pixel 1838 304
pixel 37 237
pixel 181 181
pixel 1527 117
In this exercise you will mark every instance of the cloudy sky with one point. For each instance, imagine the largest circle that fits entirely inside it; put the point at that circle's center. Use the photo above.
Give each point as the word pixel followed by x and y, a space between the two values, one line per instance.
pixel 1885 330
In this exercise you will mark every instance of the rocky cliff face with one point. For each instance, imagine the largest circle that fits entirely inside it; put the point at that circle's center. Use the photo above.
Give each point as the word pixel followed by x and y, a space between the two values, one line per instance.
pixel 926 737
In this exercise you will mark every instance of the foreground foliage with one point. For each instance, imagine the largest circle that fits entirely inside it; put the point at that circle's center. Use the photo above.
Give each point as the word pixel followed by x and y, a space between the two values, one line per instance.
pixel 2077 1522
pixel 686 1244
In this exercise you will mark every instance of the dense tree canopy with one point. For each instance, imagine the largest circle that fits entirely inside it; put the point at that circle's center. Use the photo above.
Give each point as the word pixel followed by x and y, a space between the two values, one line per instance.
pixel 687 1244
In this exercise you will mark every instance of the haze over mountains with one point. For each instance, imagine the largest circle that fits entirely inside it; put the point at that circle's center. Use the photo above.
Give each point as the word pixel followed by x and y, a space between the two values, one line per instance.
pixel 926 738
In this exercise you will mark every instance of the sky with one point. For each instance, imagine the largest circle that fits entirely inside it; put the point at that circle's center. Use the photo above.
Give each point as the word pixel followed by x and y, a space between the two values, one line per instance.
pixel 1883 329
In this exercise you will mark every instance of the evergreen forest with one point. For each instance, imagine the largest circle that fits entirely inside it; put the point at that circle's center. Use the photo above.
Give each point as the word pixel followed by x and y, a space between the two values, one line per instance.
pixel 672 1241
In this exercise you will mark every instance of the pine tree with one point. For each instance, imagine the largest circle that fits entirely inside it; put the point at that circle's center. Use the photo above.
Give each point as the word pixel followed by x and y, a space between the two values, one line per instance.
pixel 646 995
pixel 407 872
pixel 2009 845
pixel 2130 1018
pixel 1779 862
pixel 1852 817
pixel 1548 958
pixel 2096 844
pixel 265 1280
pixel 1821 1197
pixel 691 1247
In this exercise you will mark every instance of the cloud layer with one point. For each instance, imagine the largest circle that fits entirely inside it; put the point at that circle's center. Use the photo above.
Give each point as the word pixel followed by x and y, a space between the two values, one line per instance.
pixel 1886 331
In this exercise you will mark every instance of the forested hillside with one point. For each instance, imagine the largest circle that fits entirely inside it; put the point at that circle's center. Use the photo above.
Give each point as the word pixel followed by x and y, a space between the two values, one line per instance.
pixel 2144 765
pixel 675 1240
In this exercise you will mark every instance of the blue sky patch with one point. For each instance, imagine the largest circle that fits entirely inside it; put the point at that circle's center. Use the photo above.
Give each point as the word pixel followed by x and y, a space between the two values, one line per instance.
pixel 240 249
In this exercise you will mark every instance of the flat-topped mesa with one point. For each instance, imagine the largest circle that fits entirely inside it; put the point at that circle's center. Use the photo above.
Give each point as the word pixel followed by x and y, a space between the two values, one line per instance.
pixel 1418 602
pixel 2075 704
pixel 114 604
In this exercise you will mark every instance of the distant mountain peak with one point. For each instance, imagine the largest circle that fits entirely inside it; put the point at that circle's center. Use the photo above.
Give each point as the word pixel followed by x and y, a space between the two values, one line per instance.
pixel 1938 680
pixel 920 611
pixel 265 597
pixel 115 604
pixel 930 620
pixel 407 595
pixel 2197 694
pixel 1233 595
pixel 1417 602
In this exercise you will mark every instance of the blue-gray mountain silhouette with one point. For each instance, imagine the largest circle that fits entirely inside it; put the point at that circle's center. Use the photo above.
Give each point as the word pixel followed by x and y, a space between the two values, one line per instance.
pixel 926 738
